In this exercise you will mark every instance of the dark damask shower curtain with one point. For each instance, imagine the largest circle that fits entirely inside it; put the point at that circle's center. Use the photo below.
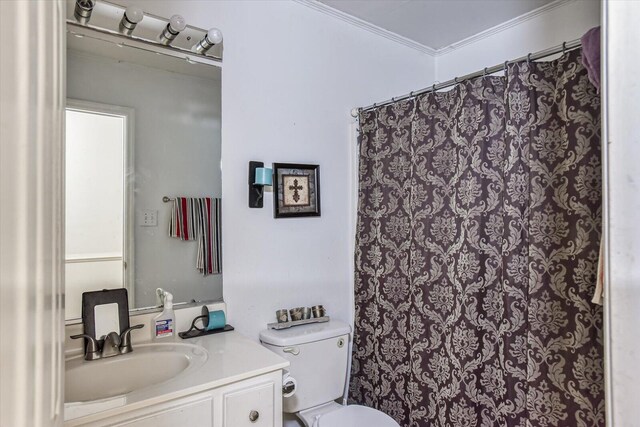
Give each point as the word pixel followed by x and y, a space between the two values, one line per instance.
pixel 477 247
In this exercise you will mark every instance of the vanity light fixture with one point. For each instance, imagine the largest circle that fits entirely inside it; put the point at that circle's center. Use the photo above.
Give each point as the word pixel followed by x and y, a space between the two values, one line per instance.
pixel 83 9
pixel 130 18
pixel 212 38
pixel 259 176
pixel 174 27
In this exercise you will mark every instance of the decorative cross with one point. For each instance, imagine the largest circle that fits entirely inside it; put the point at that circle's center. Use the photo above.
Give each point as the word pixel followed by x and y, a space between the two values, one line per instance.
pixel 295 187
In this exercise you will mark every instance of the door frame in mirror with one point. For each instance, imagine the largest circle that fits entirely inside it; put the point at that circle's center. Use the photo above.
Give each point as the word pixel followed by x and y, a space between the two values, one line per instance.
pixel 129 182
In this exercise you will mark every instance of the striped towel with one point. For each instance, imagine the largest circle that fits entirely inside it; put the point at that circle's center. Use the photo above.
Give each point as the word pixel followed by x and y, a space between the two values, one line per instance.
pixel 185 224
pixel 199 219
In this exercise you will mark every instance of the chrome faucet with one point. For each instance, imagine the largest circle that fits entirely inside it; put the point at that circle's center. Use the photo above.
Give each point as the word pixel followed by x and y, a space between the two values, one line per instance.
pixel 113 344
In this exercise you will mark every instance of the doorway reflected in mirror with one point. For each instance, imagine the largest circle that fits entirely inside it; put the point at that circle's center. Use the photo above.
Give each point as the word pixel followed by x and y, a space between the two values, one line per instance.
pixel 98 201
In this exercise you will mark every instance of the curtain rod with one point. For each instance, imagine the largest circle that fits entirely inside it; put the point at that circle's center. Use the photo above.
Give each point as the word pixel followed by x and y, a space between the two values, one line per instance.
pixel 564 47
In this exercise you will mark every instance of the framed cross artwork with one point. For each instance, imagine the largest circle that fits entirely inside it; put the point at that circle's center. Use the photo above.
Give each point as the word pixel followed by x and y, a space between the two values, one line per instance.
pixel 296 190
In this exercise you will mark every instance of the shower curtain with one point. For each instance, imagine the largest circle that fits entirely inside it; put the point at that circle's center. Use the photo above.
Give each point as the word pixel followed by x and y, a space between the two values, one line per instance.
pixel 477 247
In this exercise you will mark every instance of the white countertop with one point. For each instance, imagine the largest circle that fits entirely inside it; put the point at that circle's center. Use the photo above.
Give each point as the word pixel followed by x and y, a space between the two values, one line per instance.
pixel 231 357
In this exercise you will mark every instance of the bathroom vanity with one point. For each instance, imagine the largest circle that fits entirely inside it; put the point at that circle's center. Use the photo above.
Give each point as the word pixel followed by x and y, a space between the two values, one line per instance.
pixel 221 380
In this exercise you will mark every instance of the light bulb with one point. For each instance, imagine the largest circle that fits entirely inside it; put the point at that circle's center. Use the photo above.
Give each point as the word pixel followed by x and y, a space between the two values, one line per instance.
pixel 212 38
pixel 215 36
pixel 134 14
pixel 173 28
pixel 177 23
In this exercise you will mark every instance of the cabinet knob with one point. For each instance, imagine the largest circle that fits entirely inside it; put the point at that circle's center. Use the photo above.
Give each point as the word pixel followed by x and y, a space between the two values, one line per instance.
pixel 253 416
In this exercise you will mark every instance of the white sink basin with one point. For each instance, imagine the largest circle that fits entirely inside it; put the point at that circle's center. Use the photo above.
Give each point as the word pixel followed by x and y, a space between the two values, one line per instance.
pixel 147 365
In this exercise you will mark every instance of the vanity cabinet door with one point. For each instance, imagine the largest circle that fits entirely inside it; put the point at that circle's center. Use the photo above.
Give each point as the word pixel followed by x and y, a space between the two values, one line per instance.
pixel 250 407
pixel 186 412
pixel 254 402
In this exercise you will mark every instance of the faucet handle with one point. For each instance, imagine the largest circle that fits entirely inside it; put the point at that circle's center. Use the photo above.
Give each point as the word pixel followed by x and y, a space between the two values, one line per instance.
pixel 91 351
pixel 125 346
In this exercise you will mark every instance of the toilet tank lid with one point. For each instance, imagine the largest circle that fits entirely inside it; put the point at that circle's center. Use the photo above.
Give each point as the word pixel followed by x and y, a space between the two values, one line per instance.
pixel 305 333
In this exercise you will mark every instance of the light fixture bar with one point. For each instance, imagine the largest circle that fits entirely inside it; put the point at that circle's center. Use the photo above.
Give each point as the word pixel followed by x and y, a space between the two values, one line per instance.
pixel 131 23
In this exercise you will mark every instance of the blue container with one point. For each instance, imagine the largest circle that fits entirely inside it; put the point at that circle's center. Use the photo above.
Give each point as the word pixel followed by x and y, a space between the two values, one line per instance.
pixel 216 319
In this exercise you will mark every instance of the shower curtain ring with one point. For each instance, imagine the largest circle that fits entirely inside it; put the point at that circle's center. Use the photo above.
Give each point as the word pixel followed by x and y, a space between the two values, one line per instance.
pixel 529 58
pixel 411 94
pixel 484 73
pixel 506 63
pixel 433 88
pixel 564 47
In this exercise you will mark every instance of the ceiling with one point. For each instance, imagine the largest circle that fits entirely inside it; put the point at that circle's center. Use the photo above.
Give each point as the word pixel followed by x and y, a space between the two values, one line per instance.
pixel 435 24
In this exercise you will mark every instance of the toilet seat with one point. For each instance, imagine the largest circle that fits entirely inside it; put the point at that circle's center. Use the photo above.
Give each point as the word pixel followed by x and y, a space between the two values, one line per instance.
pixel 356 416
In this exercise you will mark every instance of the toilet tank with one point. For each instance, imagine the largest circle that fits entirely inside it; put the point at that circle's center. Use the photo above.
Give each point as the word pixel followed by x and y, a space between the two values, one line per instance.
pixel 318 354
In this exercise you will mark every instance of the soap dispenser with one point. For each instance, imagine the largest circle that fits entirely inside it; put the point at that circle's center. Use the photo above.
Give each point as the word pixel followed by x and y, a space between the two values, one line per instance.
pixel 163 324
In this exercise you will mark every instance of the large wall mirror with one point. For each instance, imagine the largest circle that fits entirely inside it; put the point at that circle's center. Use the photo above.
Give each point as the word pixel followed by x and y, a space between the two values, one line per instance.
pixel 140 126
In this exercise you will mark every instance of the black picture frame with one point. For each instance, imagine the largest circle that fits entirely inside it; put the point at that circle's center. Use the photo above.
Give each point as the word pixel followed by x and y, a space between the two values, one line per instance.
pixel 296 190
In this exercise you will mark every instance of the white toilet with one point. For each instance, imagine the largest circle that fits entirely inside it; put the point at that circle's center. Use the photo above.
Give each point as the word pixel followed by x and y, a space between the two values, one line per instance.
pixel 319 353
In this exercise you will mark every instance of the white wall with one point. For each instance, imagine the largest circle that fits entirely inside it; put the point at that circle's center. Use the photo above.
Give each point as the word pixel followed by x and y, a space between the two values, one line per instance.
pixel 564 23
pixel 177 153
pixel 291 75
pixel 622 291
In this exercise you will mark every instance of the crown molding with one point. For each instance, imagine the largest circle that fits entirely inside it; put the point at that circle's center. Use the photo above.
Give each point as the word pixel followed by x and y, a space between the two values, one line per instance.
pixel 328 10
pixel 503 26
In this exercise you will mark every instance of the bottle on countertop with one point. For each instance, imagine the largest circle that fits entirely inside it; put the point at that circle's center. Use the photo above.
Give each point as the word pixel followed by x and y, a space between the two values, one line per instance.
pixel 163 325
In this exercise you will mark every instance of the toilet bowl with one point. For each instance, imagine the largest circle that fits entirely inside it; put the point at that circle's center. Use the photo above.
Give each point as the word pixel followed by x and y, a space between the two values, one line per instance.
pixel 318 354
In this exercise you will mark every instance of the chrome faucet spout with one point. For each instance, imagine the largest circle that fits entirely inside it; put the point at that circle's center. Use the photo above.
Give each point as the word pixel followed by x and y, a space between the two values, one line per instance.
pixel 111 346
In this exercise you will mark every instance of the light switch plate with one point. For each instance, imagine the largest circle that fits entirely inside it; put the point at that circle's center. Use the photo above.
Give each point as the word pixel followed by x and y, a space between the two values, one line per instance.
pixel 149 218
